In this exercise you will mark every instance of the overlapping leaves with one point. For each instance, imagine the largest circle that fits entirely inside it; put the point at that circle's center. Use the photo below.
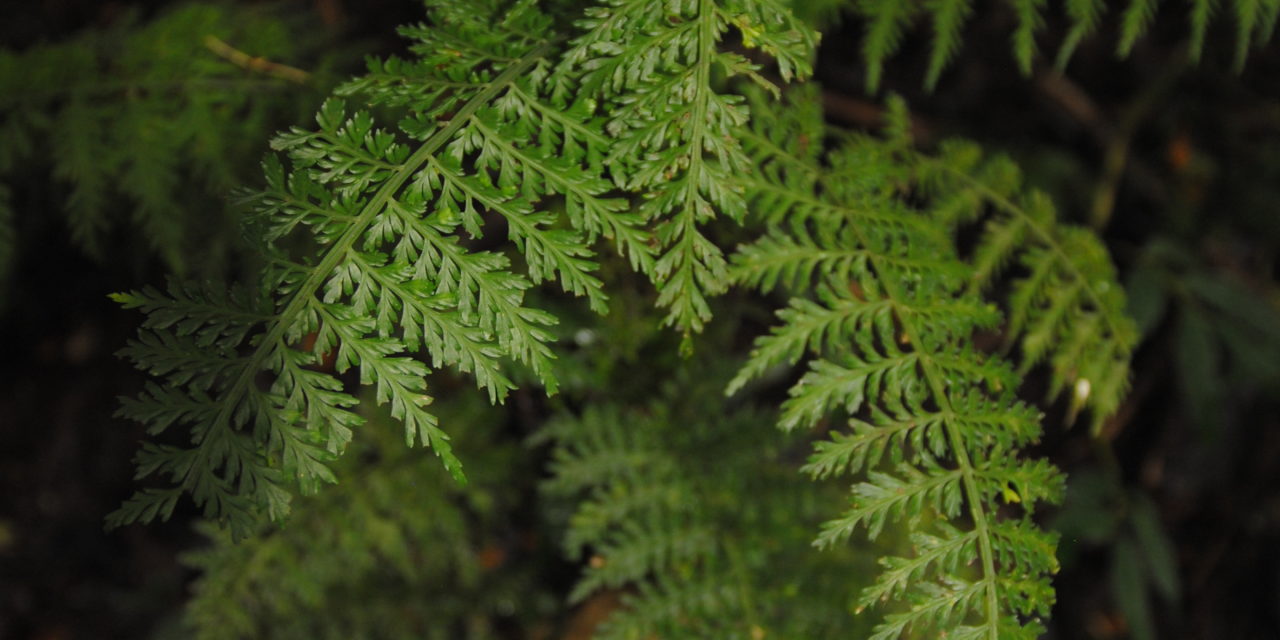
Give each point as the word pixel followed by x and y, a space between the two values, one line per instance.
pixel 888 309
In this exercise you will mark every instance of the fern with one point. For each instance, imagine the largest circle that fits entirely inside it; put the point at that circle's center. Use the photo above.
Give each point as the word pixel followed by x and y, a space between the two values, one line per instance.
pixel 384 279
pixel 489 131
pixel 146 115
pixel 933 421
pixel 655 73
pixel 436 557
pixel 888 20
pixel 672 531
pixel 1069 308
pixel 389 252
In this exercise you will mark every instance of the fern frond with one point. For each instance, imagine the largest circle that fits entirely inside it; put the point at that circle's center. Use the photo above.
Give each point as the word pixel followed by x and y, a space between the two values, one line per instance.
pixel 145 116
pixel 886 20
pixel 381 217
pixel 673 531
pixel 1030 21
pixel 387 570
pixel 1085 16
pixel 1134 22
pixel 949 17
pixel 920 398
pixel 1069 308
pixel 1201 13
pixel 676 134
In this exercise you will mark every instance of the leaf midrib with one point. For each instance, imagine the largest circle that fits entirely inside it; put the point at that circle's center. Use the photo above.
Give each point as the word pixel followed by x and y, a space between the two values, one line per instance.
pixel 304 294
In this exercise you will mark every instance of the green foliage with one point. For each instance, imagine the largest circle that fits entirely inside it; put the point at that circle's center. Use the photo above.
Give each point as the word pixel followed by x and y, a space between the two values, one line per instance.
pixel 654 73
pixel 149 116
pixel 695 561
pixel 887 21
pixel 390 252
pixel 379 223
pixel 1067 308
pixel 890 311
pixel 375 567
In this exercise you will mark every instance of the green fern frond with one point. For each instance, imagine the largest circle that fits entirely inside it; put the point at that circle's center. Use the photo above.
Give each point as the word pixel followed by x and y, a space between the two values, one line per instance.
pixel 1069 308
pixel 949 17
pixel 145 126
pixel 1201 13
pixel 386 571
pixel 379 218
pixel 673 532
pixel 1030 21
pixel 1085 16
pixel 657 70
pixel 886 20
pixel 1134 22
pixel 934 423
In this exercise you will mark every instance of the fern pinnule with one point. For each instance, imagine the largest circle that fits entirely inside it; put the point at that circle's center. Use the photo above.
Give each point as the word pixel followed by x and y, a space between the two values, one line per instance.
pixel 888 20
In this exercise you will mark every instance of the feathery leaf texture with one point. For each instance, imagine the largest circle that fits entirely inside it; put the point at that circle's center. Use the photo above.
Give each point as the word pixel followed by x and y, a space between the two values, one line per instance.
pixel 356 562
pixel 1068 309
pixel 889 311
pixel 380 218
pixel 146 115
pixel 887 21
pixel 656 520
pixel 655 70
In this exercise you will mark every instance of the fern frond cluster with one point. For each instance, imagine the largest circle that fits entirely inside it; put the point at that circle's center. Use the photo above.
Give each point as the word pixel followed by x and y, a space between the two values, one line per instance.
pixel 888 21
pixel 370 236
pixel 389 251
pixel 415 556
pixel 145 119
pixel 889 309
pixel 650 517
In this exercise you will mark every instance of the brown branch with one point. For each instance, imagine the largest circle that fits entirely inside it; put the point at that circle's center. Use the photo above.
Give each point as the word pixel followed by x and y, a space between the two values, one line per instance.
pixel 254 63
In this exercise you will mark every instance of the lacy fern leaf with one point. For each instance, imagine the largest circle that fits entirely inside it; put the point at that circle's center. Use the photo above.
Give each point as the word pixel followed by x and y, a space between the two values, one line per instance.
pixel 379 218
pixel 677 136
pixel 933 421
pixel 1069 308
pixel 673 531
pixel 147 116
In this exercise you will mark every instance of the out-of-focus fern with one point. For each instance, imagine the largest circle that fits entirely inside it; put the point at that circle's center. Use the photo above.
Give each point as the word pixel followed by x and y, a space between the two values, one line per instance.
pixel 695 558
pixel 1067 307
pixel 888 20
pixel 146 121
pixel 396 551
pixel 656 70
pixel 890 310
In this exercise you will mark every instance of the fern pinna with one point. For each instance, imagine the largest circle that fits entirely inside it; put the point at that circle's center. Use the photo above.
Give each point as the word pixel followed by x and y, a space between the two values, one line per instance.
pixel 362 234
pixel 890 309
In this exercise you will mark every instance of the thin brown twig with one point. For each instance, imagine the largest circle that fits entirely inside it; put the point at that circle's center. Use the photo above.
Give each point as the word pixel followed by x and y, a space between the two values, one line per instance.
pixel 255 63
